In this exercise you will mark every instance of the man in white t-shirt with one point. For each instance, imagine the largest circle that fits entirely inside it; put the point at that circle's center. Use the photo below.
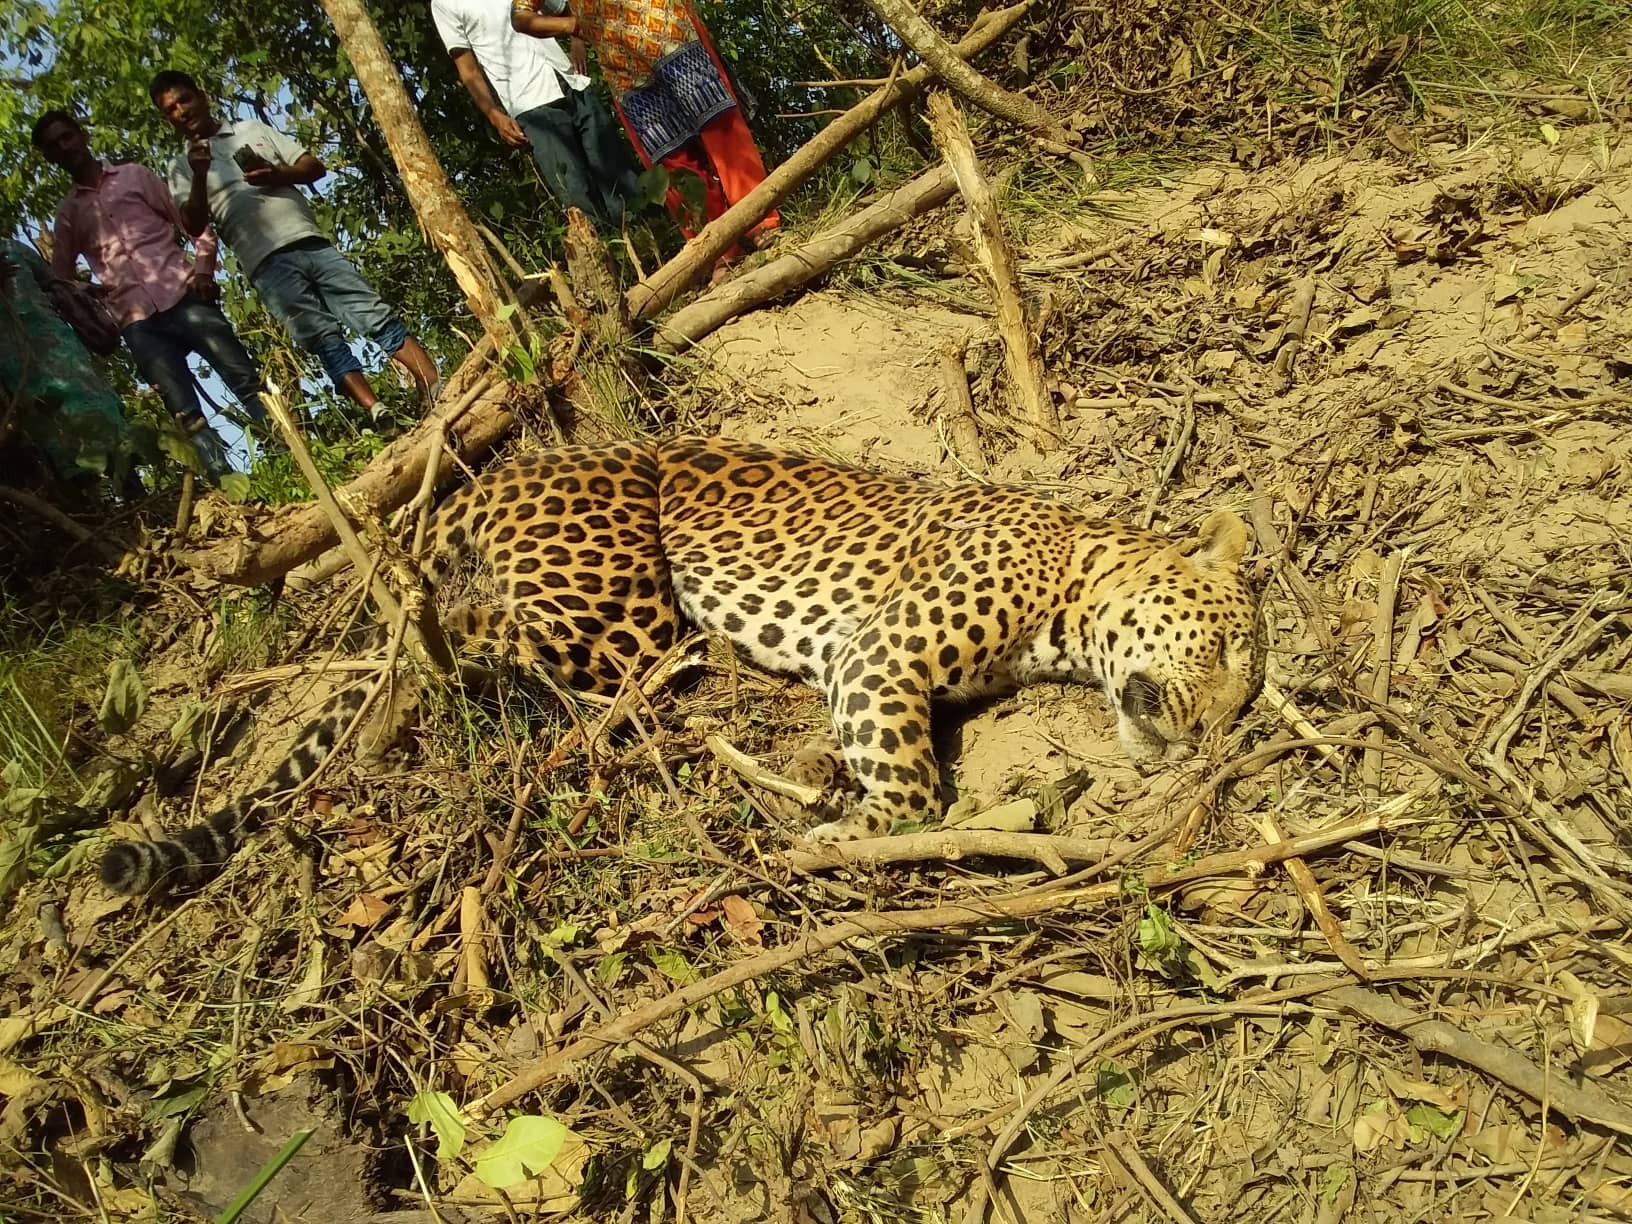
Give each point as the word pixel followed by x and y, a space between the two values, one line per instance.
pixel 245 177
pixel 528 89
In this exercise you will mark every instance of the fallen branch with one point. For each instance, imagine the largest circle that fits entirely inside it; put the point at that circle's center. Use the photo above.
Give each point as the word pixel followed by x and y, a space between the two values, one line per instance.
pixel 806 262
pixel 975 912
pixel 1297 322
pixel 958 411
pixel 935 51
pixel 59 520
pixel 475 421
pixel 951 845
pixel 699 255
pixel 1020 348
pixel 1580 1103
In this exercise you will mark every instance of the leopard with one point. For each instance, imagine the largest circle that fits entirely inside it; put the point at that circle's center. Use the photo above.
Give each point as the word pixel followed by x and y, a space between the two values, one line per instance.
pixel 888 593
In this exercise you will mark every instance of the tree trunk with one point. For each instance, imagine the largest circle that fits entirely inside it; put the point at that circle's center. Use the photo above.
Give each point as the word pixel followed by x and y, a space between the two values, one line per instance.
pixel 440 213
pixel 721 234
pixel 812 259
pixel 1040 421
pixel 936 52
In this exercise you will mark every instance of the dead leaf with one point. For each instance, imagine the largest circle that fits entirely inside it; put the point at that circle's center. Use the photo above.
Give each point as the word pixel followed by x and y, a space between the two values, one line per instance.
pixel 742 921
pixel 1379 1123
pixel 1422 1090
pixel 364 911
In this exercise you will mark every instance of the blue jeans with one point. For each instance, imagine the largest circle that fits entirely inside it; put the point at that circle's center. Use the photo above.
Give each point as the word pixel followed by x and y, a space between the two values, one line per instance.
pixel 160 344
pixel 317 293
pixel 581 155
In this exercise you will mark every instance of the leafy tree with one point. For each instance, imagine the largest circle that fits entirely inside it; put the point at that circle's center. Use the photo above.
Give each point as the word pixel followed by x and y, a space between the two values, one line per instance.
pixel 280 61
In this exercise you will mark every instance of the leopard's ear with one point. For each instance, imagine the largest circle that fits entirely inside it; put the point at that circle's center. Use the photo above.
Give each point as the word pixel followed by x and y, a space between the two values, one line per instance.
pixel 1221 542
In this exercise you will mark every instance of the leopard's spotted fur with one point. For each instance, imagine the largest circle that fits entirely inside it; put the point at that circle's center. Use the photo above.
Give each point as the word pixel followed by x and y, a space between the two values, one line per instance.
pixel 883 591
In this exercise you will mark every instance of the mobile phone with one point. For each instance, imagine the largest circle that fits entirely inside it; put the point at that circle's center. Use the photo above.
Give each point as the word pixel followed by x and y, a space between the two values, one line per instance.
pixel 247 158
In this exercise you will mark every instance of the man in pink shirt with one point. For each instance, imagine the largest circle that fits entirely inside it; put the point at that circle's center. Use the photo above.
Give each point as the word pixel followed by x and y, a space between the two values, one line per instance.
pixel 124 221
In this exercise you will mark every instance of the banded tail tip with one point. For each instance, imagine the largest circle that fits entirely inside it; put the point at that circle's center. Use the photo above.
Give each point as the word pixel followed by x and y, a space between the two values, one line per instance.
pixel 126 868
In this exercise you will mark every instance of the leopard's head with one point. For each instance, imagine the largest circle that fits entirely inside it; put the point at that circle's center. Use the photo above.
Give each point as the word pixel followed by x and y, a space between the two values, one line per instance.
pixel 1179 644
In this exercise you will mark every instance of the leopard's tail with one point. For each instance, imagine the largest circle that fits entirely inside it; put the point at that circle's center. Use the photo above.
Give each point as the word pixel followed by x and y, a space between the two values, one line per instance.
pixel 197 853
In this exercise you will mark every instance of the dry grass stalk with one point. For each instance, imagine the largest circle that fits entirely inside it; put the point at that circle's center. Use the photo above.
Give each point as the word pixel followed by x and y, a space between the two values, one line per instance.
pixel 1025 364
pixel 1382 673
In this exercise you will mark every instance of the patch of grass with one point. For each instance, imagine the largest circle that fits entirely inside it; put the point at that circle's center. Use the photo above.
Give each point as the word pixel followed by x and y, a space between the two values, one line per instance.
pixel 1504 51
pixel 51 677
pixel 248 631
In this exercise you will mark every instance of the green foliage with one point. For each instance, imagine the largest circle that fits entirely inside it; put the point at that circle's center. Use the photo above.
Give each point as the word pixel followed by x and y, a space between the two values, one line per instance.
pixel 280 61
pixel 125 697
pixel 1160 947
pixel 51 678
pixel 277 479
pixel 439 1109
pixel 529 1145
pixel 1114 1085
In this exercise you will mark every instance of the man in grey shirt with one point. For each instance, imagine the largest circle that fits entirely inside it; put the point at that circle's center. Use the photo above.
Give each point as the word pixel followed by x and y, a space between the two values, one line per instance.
pixel 244 176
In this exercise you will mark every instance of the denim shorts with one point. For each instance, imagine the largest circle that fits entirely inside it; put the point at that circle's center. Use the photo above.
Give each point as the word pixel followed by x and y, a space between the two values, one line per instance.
pixel 318 295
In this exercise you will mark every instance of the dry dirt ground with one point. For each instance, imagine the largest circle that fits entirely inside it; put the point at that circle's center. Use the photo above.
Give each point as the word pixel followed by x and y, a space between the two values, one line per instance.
pixel 1430 1020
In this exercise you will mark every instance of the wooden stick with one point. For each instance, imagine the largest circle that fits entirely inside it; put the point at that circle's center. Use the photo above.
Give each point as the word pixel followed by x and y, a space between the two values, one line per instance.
pixel 695 259
pixel 951 845
pixel 1314 899
pixel 975 912
pixel 1024 360
pixel 750 770
pixel 184 507
pixel 1297 322
pixel 1583 1103
pixel 389 608
pixel 1136 1171
pixel 1178 443
pixel 472 930
pixel 963 431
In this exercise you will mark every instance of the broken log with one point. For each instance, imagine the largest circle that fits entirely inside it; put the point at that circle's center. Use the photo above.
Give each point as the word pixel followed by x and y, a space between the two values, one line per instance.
pixel 804 263
pixel 1039 421
pixel 475 421
pixel 958 411
pixel 698 256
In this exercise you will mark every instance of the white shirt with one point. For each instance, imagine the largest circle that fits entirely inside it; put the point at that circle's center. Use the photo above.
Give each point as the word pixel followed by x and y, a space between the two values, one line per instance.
pixel 253 221
pixel 525 72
